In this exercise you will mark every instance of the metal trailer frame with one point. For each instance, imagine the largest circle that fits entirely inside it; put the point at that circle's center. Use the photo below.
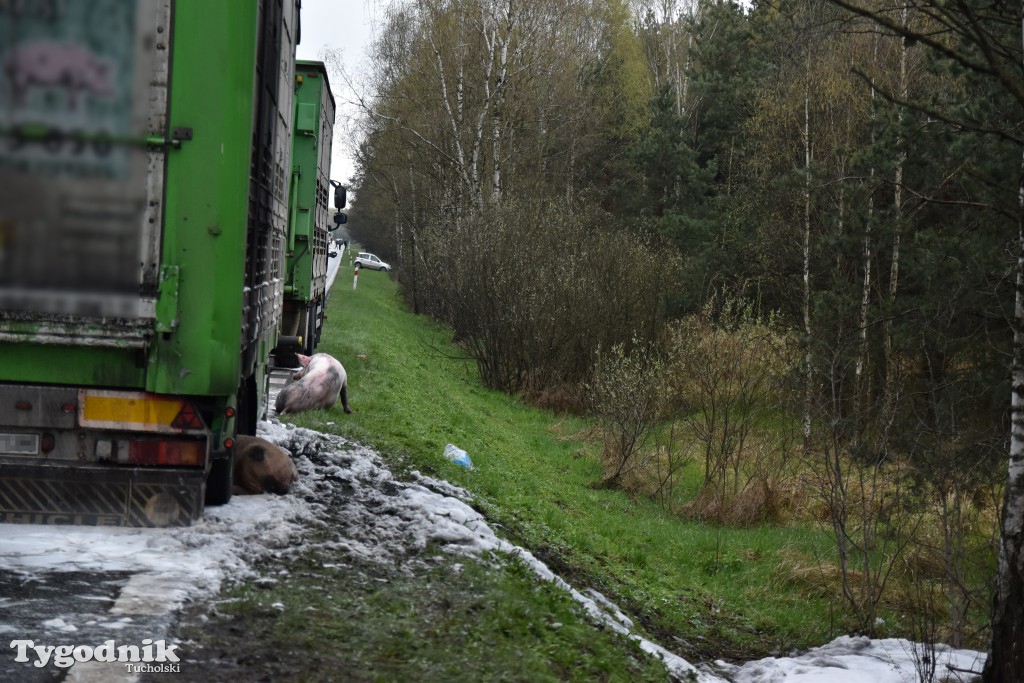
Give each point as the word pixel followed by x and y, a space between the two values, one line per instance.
pixel 83 395
pixel 310 218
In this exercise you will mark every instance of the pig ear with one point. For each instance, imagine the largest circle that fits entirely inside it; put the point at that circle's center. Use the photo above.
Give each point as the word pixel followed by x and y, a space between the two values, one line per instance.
pixel 303 360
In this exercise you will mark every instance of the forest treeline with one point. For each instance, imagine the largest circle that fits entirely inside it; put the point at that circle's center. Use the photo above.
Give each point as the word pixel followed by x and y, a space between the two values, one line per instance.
pixel 789 229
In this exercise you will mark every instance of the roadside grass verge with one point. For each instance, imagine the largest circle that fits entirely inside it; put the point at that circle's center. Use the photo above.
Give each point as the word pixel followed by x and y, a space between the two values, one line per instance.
pixel 318 619
pixel 703 591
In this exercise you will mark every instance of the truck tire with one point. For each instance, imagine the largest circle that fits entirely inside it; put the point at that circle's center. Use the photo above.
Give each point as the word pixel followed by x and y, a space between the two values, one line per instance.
pixel 219 480
pixel 310 341
pixel 321 316
pixel 248 406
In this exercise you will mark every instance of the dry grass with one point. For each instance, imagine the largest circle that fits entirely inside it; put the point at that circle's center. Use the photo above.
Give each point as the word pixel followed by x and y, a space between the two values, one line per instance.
pixel 635 478
pixel 918 597
pixel 762 501
pixel 811 576
pixel 591 435
pixel 561 399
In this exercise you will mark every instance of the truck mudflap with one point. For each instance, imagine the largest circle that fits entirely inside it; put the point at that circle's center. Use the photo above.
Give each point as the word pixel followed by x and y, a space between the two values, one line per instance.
pixel 100 496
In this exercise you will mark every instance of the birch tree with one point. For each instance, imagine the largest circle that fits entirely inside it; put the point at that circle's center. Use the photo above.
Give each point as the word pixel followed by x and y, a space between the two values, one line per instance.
pixel 988 41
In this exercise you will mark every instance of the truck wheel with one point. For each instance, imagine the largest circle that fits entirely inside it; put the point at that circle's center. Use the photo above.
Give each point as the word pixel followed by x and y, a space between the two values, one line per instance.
pixel 248 406
pixel 219 480
pixel 310 339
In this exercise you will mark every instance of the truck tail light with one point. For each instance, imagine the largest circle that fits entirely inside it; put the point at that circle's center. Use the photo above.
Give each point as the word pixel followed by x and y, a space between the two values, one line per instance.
pixel 189 453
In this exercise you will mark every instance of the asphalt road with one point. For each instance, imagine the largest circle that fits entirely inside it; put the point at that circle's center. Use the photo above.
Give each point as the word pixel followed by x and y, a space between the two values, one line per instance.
pixel 74 608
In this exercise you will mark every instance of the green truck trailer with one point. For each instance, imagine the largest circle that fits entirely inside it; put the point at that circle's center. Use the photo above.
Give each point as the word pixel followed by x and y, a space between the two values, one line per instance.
pixel 145 165
pixel 310 219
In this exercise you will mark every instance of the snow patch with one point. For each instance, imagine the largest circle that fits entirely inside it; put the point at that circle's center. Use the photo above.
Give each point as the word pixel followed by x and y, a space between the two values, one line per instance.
pixel 857 659
pixel 372 516
pixel 59 625
pixel 171 565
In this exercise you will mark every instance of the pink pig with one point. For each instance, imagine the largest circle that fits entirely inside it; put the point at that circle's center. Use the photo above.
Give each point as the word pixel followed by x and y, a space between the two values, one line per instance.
pixel 54 64
pixel 320 382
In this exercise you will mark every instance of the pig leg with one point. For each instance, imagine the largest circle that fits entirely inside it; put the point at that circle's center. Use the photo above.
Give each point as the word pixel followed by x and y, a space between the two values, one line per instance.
pixel 329 386
pixel 344 397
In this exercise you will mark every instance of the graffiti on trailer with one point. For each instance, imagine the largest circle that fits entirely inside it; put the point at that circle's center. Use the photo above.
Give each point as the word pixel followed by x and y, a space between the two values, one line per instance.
pixel 82 84
pixel 62 65
pixel 68 71
pixel 49 10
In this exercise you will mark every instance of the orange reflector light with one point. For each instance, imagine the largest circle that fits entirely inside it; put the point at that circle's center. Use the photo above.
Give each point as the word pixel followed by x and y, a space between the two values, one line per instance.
pixel 188 418
pixel 158 452
pixel 229 412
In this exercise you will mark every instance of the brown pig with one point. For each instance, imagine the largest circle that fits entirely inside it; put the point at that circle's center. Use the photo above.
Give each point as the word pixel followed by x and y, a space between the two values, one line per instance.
pixel 262 467
pixel 319 383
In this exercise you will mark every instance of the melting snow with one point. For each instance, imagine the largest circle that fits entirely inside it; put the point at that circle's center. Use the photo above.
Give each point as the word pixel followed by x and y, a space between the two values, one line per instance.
pixel 378 518
pixel 850 659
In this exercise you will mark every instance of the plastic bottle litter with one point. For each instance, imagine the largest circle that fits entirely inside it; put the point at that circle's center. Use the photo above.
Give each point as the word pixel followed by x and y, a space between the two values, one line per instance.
pixel 458 456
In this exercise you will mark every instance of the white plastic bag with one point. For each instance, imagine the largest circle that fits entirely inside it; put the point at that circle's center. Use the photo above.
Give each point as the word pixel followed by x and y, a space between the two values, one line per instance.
pixel 458 456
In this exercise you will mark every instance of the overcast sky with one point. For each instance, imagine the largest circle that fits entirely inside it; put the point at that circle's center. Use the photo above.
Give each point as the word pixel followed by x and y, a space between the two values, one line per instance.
pixel 344 25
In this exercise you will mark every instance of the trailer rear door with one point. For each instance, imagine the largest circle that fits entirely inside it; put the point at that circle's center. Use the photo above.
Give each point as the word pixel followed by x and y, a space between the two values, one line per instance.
pixel 83 112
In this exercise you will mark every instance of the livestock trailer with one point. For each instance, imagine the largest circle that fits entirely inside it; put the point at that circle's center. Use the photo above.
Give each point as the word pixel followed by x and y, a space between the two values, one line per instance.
pixel 145 157
pixel 309 218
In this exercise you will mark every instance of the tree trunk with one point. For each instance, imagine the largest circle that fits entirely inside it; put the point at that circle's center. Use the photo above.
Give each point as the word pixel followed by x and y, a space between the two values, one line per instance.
pixel 1006 659
pixel 889 400
pixel 1006 656
pixel 808 369
pixel 497 111
pixel 859 391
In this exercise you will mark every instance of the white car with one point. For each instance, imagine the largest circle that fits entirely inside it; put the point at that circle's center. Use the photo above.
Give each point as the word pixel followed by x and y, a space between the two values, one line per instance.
pixel 365 260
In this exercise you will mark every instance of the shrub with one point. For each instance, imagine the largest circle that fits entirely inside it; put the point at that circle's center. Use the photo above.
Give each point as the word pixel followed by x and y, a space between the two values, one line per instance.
pixel 625 394
pixel 725 383
pixel 533 289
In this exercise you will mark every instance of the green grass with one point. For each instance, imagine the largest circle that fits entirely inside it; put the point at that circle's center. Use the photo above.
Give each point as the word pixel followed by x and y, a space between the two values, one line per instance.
pixel 700 590
pixel 325 622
